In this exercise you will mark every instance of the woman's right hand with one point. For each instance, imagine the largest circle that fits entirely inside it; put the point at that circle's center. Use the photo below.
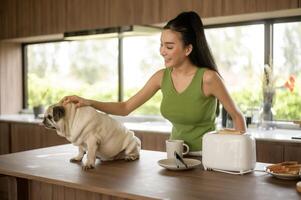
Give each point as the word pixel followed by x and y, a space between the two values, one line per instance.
pixel 78 101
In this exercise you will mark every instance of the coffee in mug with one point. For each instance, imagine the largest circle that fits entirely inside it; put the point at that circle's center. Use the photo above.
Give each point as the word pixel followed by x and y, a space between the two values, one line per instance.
pixel 176 145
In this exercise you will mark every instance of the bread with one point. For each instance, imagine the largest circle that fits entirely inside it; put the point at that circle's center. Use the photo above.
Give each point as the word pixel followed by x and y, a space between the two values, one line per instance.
pixel 229 131
pixel 288 167
pixel 289 163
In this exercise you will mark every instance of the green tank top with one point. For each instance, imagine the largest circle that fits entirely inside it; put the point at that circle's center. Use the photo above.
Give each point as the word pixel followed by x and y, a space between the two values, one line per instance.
pixel 191 113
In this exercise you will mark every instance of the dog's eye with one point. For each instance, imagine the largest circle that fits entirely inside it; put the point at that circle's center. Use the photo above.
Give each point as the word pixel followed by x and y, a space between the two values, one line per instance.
pixel 49 117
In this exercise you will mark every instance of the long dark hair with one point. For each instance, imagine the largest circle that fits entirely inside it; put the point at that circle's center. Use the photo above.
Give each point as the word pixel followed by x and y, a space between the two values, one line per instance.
pixel 190 25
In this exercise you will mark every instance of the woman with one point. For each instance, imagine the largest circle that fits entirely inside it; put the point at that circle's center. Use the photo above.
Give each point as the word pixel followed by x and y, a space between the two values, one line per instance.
pixel 190 84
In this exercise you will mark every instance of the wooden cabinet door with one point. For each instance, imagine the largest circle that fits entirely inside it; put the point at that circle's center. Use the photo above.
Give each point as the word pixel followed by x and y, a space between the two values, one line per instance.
pixel 216 8
pixel 31 18
pixel 235 7
pixel 4 138
pixel 81 15
pixel 24 137
pixel 8 19
pixel 269 152
pixel 31 136
pixel 292 152
pixel 51 138
pixel 152 141
pixel 40 17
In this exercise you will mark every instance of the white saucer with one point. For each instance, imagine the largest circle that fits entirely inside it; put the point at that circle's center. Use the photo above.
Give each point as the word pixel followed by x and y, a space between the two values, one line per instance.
pixel 172 165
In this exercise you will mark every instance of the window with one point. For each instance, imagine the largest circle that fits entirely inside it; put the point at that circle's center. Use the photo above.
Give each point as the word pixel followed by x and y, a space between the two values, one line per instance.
pixel 238 52
pixel 86 68
pixel 286 64
pixel 89 68
pixel 141 60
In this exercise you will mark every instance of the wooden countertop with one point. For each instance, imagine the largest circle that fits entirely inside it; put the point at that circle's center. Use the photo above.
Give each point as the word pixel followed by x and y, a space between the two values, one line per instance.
pixel 144 178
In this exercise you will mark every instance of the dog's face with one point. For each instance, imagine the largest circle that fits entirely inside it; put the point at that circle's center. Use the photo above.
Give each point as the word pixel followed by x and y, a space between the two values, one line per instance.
pixel 53 115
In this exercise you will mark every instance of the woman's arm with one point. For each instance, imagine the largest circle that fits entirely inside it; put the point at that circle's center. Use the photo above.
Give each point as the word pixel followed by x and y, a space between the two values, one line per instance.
pixel 121 108
pixel 213 85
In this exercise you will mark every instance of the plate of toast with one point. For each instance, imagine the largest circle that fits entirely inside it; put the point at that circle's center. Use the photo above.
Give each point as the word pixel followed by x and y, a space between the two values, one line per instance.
pixel 288 170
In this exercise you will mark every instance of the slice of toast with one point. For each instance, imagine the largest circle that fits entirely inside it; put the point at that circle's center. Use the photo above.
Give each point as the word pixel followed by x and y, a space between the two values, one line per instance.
pixel 229 131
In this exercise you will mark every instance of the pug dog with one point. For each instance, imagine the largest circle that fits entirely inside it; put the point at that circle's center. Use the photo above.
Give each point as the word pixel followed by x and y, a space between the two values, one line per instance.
pixel 93 132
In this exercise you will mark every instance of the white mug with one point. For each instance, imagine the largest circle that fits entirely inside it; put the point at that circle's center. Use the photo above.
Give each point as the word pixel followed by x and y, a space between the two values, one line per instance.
pixel 176 145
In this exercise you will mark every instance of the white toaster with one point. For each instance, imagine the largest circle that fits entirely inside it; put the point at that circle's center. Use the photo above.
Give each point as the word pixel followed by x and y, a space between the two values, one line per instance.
pixel 230 153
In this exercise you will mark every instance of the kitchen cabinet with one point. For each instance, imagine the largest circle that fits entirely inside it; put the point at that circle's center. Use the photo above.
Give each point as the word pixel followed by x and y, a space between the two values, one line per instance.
pixel 4 138
pixel 275 152
pixel 234 7
pixel 42 17
pixel 26 136
pixel 81 15
pixel 152 141
pixel 4 187
pixel 215 8
pixel 270 152
pixel 8 19
pixel 292 151
pixel 18 136
pixel 31 18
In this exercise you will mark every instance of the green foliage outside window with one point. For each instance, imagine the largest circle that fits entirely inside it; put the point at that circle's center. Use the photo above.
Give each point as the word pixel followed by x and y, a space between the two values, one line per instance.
pixel 287 106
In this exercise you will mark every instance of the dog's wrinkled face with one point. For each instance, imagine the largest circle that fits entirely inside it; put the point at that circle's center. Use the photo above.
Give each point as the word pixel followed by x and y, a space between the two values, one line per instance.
pixel 52 115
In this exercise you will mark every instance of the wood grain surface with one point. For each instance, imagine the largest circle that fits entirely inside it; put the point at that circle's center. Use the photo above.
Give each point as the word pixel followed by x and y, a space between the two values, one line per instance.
pixel 141 179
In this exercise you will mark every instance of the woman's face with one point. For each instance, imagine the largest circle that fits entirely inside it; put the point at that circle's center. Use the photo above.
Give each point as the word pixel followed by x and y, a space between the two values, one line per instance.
pixel 172 48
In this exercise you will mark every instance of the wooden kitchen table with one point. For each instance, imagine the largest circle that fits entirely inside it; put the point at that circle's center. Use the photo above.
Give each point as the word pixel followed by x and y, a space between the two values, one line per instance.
pixel 47 174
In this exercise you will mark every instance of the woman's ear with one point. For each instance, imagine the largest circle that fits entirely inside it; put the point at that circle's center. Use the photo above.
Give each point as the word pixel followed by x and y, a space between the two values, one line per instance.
pixel 188 49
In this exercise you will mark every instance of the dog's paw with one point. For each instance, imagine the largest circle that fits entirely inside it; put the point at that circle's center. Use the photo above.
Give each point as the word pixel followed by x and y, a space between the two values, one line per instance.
pixel 74 160
pixel 87 166
pixel 131 157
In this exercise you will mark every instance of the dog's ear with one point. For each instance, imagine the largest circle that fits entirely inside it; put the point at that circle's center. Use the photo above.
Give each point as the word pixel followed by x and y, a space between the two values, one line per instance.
pixel 58 113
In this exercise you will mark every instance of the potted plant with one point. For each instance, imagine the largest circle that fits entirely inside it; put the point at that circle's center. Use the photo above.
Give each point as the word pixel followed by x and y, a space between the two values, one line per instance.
pixel 37 101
